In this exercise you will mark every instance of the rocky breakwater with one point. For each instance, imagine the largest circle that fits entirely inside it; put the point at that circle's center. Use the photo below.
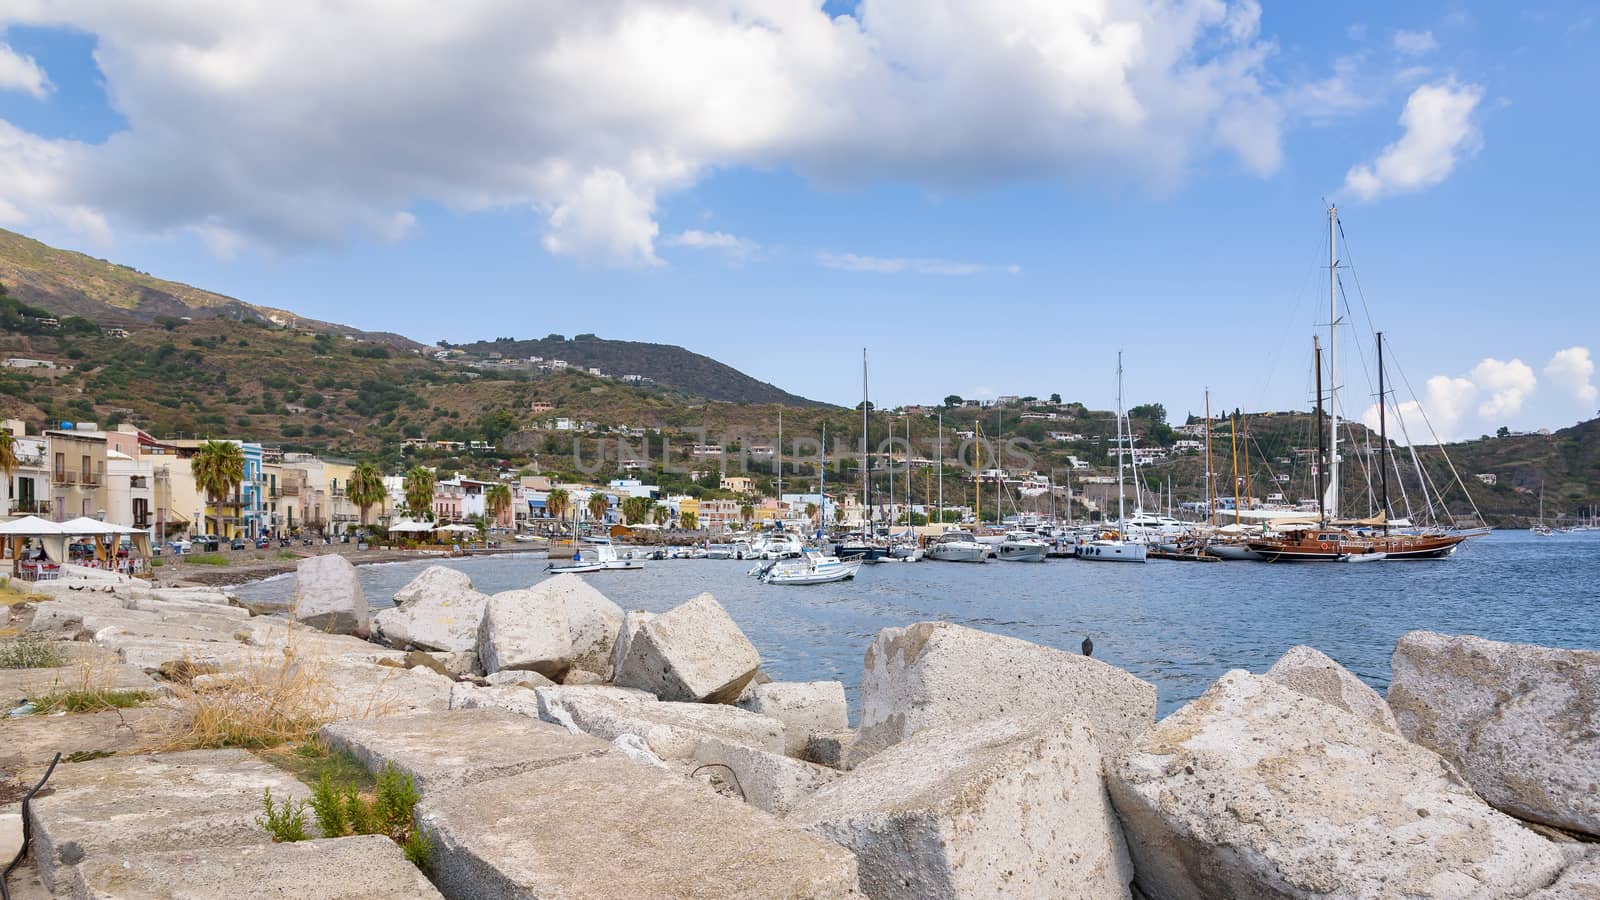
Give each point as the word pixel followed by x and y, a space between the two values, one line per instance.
pixel 562 747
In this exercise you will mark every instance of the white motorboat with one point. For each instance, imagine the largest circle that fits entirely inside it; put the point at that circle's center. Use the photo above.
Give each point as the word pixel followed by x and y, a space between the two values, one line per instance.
pixel 522 538
pixel 598 556
pixel 1021 546
pixel 812 567
pixel 719 551
pixel 1364 557
pixel 782 546
pixel 957 546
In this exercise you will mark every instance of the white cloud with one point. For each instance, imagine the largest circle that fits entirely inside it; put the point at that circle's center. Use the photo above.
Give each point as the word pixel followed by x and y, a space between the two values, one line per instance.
pixel 1572 370
pixel 1341 93
pixel 1439 129
pixel 894 265
pixel 1508 384
pixel 1444 409
pixel 21 73
pixel 1414 43
pixel 734 246
pixel 292 123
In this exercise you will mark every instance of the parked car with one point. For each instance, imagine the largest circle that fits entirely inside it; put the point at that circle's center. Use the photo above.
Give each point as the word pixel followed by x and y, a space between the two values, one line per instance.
pixel 238 543
pixel 263 542
pixel 180 545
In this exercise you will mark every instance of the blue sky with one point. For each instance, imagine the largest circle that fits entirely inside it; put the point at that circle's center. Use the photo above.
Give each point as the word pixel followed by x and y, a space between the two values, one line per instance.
pixel 777 190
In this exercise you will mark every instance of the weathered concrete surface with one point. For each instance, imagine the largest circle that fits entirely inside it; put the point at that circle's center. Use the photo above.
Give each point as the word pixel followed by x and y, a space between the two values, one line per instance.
pixel 769 781
pixel 1580 881
pixel 452 663
pixel 28 743
pixel 525 629
pixel 1521 723
pixel 1001 807
pixel 16 684
pixel 672 730
pixel 358 689
pixel 328 596
pixel 10 835
pixel 119 809
pixel 604 827
pixel 441 750
pixel 1315 674
pixel 829 748
pixel 693 652
pixel 434 581
pixel 592 621
pixel 935 674
pixel 559 694
pixel 576 677
pixel 441 615
pixel 632 621
pixel 519 676
pixel 1255 790
pixel 804 707
pixel 516 698
pixel 350 868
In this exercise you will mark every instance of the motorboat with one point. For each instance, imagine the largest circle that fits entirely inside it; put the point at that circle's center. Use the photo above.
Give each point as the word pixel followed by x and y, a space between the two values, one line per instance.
pixel 719 551
pixel 1365 557
pixel 523 538
pixel 598 556
pixel 811 567
pixel 957 546
pixel 1112 548
pixel 856 546
pixel 1021 546
pixel 782 546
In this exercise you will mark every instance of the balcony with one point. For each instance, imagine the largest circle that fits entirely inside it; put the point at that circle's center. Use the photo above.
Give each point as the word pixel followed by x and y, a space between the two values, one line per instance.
pixel 31 507
pixel 62 476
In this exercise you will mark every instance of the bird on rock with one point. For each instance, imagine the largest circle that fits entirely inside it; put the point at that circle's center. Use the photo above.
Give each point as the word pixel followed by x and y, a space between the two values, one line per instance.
pixel 1088 647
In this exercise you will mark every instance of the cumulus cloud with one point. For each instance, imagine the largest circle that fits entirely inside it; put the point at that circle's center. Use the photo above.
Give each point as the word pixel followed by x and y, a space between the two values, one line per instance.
pixel 1446 403
pixel 1572 370
pixel 733 246
pixel 893 265
pixel 21 73
pixel 1414 43
pixel 292 123
pixel 1508 384
pixel 1438 129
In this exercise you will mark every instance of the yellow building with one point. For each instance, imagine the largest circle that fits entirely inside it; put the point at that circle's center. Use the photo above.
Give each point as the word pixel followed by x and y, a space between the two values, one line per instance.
pixel 77 463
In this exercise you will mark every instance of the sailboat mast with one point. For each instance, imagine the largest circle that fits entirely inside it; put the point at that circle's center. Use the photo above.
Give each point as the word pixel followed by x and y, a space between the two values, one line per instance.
pixel 1332 507
pixel 780 462
pixel 1247 461
pixel 939 452
pixel 822 484
pixel 1121 511
pixel 1316 352
pixel 1233 440
pixel 977 473
pixel 999 473
pixel 866 459
pixel 1211 487
pixel 908 472
pixel 1383 437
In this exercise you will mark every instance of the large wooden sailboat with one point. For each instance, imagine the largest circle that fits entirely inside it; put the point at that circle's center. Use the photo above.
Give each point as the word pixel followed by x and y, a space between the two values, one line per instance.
pixel 1333 539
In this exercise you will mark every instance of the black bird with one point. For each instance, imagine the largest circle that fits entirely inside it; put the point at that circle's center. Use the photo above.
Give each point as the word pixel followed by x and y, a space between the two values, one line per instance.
pixel 1088 647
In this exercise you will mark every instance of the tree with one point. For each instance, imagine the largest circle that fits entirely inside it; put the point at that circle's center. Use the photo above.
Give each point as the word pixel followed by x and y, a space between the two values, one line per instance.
pixel 811 510
pixel 635 509
pixel 1155 413
pixel 419 492
pixel 1502 432
pixel 746 513
pixel 8 444
pixel 558 503
pixel 690 521
pixel 952 400
pixel 661 515
pixel 838 514
pixel 598 504
pixel 218 469
pixel 366 489
pixel 1055 398
pixel 496 500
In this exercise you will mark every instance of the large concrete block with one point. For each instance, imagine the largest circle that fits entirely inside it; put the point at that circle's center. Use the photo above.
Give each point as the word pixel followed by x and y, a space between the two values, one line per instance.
pixel 1000 807
pixel 933 674
pixel 769 781
pixel 694 652
pixel 804 707
pixel 632 621
pixel 525 629
pixel 439 750
pixel 434 581
pixel 370 867
pixel 672 730
pixel 1580 881
pixel 1255 790
pixel 1313 673
pixel 328 596
pixel 438 618
pixel 604 827
pixel 1521 723
pixel 118 809
pixel 592 621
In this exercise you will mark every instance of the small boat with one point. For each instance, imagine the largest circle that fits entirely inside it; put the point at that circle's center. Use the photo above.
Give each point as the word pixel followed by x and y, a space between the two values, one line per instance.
pixel 812 567
pixel 1021 546
pixel 1365 557
pixel 522 538
pixel 957 546
pixel 601 556
pixel 719 551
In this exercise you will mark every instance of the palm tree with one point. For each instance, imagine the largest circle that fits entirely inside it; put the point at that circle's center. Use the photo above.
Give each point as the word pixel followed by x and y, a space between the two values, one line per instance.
pixel 598 504
pixel 660 516
pixel 218 469
pixel 8 454
pixel 690 521
pixel 811 510
pixel 419 492
pixel 557 503
pixel 746 513
pixel 366 489
pixel 496 500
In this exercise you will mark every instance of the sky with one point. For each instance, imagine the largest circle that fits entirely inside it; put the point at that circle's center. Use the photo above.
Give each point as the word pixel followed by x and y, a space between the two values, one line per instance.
pixel 991 196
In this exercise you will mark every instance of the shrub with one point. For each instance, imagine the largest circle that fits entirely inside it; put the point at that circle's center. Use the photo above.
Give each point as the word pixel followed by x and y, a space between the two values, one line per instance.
pixel 286 822
pixel 274 699
pixel 30 653
pixel 342 810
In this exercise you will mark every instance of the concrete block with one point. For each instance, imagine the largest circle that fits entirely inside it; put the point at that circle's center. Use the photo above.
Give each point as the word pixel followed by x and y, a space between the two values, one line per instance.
pixel 440 750
pixel 694 652
pixel 1313 673
pixel 672 730
pixel 525 629
pixel 592 621
pixel 604 827
pixel 804 707
pixel 434 581
pixel 769 781
pixel 1000 807
pixel 328 596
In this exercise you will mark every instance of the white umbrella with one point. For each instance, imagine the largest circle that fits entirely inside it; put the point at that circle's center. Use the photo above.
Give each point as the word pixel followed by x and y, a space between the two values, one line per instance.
pixel 459 529
pixel 31 526
pixel 85 525
pixel 409 525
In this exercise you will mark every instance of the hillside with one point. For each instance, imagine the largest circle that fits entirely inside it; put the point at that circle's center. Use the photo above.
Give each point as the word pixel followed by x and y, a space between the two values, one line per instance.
pixel 67 283
pixel 674 367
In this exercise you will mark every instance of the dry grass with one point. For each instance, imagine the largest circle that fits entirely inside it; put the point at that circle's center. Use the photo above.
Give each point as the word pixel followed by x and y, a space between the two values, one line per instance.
pixel 11 593
pixel 27 652
pixel 89 686
pixel 276 697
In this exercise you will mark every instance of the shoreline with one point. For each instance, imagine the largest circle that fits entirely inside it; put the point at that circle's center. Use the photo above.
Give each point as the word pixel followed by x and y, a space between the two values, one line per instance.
pixel 253 571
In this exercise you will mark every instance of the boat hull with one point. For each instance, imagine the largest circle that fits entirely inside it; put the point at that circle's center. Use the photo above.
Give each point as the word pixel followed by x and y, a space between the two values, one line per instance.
pixel 1021 553
pixel 1113 551
pixel 957 554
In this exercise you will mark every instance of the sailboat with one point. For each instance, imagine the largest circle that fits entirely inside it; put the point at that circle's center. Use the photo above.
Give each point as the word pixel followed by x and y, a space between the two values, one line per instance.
pixel 1114 547
pixel 864 546
pixel 1539 527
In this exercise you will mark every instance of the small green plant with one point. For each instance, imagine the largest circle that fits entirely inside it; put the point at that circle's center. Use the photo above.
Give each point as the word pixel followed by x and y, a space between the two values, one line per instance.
pixel 30 653
pixel 90 700
pixel 343 808
pixel 396 796
pixel 418 849
pixel 207 559
pixel 286 822
pixel 157 563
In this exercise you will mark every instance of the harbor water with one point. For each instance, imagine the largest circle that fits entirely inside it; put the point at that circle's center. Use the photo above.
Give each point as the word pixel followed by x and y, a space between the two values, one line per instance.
pixel 1178 625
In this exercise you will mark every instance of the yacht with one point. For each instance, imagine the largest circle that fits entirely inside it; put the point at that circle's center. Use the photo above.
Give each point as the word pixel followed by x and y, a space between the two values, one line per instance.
pixel 781 546
pixel 1021 546
pixel 1113 546
pixel 811 567
pixel 598 555
pixel 957 546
